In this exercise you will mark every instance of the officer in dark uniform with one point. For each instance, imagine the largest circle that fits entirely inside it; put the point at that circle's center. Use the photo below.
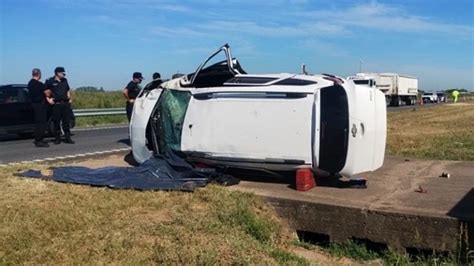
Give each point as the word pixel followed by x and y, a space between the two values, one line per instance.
pixel 60 99
pixel 37 91
pixel 155 83
pixel 131 92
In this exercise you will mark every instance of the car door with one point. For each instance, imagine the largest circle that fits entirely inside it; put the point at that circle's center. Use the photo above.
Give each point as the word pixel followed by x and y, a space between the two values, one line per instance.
pixel 13 113
pixel 142 109
pixel 251 126
pixel 26 115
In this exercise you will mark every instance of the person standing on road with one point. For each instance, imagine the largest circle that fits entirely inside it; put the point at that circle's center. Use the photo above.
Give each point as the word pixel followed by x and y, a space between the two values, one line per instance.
pixel 155 83
pixel 60 99
pixel 131 91
pixel 455 95
pixel 38 93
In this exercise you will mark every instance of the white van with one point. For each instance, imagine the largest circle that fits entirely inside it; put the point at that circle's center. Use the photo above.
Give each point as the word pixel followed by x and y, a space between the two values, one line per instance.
pixel 221 115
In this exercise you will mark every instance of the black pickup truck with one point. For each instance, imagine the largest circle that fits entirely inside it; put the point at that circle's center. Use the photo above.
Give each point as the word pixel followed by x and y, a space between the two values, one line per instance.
pixel 16 111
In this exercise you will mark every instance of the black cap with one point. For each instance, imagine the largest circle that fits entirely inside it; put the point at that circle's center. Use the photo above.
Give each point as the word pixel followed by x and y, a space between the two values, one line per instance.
pixel 137 75
pixel 59 70
pixel 156 75
pixel 35 72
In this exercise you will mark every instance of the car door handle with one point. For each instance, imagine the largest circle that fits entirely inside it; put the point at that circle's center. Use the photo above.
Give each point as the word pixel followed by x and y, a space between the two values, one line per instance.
pixel 354 130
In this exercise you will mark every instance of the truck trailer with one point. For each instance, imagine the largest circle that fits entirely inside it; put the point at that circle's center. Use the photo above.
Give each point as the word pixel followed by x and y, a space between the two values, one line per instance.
pixel 398 89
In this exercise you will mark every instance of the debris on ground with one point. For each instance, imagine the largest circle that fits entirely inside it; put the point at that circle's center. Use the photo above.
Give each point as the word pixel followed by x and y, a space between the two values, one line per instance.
pixel 445 175
pixel 166 172
pixel 339 181
pixel 421 190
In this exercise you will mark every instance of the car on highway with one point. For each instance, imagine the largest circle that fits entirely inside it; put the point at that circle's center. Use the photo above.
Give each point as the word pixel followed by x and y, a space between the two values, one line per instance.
pixel 430 97
pixel 16 111
pixel 441 97
pixel 221 116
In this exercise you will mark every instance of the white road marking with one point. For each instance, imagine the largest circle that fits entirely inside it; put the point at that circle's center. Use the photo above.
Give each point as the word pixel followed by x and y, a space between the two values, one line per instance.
pixel 72 156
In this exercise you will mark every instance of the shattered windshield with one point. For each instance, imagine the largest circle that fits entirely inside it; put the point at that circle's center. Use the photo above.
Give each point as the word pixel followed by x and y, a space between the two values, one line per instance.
pixel 171 111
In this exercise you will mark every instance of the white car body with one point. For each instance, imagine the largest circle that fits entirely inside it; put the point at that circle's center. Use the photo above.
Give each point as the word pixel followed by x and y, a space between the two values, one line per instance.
pixel 268 122
pixel 431 97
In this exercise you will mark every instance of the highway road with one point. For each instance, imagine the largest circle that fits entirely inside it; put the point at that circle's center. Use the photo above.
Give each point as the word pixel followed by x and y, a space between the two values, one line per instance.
pixel 88 140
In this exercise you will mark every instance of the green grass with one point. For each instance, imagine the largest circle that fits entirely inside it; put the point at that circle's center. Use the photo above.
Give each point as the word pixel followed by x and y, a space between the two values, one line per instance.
pixel 90 100
pixel 359 252
pixel 101 120
pixel 106 99
pixel 352 250
pixel 44 222
pixel 284 258
pixel 443 132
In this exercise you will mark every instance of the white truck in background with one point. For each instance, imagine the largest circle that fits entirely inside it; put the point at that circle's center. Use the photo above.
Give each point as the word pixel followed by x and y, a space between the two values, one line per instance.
pixel 398 89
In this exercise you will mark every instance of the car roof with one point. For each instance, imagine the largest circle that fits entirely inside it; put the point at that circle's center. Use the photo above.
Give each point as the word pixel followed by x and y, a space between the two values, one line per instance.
pixel 14 86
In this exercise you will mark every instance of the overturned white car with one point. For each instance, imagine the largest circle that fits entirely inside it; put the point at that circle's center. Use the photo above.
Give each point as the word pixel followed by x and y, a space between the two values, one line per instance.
pixel 222 116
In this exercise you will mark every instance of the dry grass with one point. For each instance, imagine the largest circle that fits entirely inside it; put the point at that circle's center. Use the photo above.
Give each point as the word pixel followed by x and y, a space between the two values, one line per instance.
pixel 443 132
pixel 44 222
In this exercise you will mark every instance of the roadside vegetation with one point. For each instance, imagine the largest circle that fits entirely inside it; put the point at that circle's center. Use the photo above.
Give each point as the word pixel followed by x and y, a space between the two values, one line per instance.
pixel 442 132
pixel 361 253
pixel 90 98
pixel 44 222
pixel 104 120
pixel 97 99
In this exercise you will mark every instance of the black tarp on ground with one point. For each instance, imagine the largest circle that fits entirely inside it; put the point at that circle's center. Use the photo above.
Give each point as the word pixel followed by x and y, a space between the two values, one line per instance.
pixel 168 172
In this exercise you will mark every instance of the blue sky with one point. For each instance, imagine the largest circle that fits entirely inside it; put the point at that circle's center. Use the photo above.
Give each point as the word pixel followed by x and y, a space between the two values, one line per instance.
pixel 102 42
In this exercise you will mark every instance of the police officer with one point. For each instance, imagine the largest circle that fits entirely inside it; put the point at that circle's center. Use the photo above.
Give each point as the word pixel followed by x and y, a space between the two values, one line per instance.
pixel 60 99
pixel 131 92
pixel 155 83
pixel 38 93
pixel 156 76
